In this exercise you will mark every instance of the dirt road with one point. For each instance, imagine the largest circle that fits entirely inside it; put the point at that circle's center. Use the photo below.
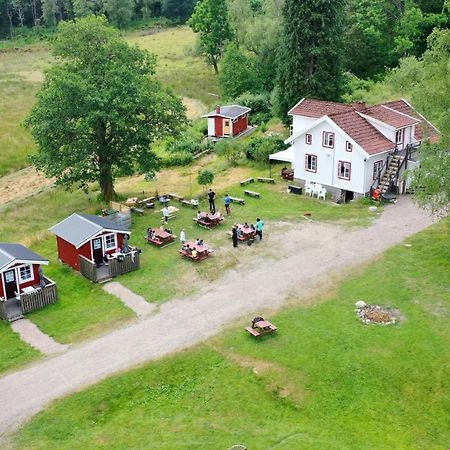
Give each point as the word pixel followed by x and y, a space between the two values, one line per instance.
pixel 314 252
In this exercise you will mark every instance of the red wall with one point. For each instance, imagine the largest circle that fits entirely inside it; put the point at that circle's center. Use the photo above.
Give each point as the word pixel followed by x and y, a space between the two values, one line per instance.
pixel 218 126
pixel 240 125
pixel 35 280
pixel 67 253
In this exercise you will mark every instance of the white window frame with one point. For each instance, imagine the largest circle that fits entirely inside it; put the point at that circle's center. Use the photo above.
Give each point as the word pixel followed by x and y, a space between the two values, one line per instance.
pixel 313 160
pixel 328 139
pixel 400 136
pixel 308 138
pixel 28 267
pixel 377 169
pixel 348 146
pixel 106 247
pixel 347 166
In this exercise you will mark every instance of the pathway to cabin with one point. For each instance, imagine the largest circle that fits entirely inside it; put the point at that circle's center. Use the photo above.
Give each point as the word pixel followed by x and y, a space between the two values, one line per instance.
pixel 314 255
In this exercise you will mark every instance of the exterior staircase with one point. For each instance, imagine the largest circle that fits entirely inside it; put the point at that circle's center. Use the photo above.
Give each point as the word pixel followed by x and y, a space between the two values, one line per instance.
pixel 390 173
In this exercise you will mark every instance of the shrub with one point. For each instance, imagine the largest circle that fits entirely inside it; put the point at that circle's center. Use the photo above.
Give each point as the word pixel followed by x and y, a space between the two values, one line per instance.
pixel 177 159
pixel 205 177
pixel 260 148
pixel 260 105
pixel 231 149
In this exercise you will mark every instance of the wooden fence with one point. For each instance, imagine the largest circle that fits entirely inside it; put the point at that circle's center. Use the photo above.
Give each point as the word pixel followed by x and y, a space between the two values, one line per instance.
pixel 42 297
pixel 88 268
pixel 130 262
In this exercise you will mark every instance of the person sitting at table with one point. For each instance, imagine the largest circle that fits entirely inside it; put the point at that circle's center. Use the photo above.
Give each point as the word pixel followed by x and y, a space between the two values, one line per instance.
pixel 150 233
pixel 168 230
pixel 194 253
pixel 199 215
pixel 252 227
pixel 239 232
pixel 245 224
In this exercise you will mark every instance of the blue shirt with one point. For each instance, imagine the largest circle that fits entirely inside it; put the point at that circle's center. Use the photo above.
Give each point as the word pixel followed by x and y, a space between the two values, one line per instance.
pixel 259 225
pixel 227 200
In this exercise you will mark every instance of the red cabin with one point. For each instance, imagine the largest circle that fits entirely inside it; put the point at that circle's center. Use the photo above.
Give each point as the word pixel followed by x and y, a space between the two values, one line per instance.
pixel 227 121
pixel 95 246
pixel 23 286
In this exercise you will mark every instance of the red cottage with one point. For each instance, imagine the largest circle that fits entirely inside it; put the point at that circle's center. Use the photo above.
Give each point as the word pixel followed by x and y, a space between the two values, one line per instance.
pixel 227 121
pixel 95 246
pixel 23 286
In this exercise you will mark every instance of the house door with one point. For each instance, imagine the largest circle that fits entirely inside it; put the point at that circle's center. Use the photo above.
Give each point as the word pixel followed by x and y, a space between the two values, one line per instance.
pixel 97 250
pixel 10 283
pixel 226 127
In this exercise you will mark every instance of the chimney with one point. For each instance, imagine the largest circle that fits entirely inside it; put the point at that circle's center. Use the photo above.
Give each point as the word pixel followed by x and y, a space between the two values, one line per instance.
pixel 218 109
pixel 359 106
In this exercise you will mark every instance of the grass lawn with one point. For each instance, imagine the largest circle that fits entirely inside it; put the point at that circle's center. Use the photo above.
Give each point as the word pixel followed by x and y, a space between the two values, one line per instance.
pixel 325 381
pixel 21 75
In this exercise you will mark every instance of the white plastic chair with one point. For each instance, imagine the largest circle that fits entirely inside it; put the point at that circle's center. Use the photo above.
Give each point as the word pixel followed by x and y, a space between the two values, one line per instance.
pixel 308 189
pixel 316 189
pixel 322 193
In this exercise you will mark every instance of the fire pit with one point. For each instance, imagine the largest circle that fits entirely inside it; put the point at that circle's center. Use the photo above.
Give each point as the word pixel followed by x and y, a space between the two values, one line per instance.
pixel 376 314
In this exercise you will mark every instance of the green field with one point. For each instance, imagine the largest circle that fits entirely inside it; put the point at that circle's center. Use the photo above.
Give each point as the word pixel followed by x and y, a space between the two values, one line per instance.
pixel 325 381
pixel 21 74
pixel 84 310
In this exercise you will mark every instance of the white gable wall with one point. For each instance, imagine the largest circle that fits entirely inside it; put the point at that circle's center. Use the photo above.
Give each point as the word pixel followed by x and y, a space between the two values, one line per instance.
pixel 369 166
pixel 299 123
pixel 328 159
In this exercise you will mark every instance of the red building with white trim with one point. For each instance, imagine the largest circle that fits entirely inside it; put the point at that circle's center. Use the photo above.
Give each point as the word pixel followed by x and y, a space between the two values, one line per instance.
pixel 227 121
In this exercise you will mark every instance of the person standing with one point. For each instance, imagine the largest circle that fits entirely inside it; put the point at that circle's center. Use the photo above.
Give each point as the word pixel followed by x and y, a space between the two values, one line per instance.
pixel 259 228
pixel 234 235
pixel 166 214
pixel 211 198
pixel 183 236
pixel 227 202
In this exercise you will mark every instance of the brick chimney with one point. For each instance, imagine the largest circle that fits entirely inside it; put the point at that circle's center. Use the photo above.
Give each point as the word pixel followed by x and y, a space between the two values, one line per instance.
pixel 359 106
pixel 218 109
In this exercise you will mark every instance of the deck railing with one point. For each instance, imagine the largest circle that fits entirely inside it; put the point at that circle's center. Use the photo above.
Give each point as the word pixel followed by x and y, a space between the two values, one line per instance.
pixel 124 263
pixel 43 296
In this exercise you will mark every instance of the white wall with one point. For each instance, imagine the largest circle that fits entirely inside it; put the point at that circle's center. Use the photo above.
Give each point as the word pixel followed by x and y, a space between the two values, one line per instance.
pixel 369 169
pixel 299 123
pixel 211 127
pixel 327 160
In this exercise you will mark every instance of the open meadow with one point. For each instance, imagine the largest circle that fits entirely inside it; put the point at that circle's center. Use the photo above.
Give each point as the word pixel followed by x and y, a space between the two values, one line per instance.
pixel 324 381
pixel 21 74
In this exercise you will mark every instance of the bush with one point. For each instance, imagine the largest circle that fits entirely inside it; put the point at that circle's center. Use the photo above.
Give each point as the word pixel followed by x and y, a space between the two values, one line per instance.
pixel 231 149
pixel 205 178
pixel 260 105
pixel 260 148
pixel 177 159
pixel 183 146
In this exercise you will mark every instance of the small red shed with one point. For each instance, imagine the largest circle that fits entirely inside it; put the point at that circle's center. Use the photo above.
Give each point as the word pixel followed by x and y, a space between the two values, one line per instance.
pixel 23 286
pixel 227 121
pixel 86 241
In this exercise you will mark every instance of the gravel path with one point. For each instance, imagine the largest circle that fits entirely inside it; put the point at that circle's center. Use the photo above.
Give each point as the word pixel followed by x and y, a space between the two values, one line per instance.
pixel 133 301
pixel 312 253
pixel 33 336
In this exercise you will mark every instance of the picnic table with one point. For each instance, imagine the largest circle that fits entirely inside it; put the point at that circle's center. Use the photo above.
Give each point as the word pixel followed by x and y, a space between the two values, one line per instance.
pixel 287 174
pixel 132 201
pixel 160 238
pixel 201 251
pixel 260 327
pixel 247 233
pixel 208 220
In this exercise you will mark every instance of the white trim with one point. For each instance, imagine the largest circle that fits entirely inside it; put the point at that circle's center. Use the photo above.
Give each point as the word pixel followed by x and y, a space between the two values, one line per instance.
pixel 107 230
pixel 20 274
pixel 17 291
pixel 220 114
pixel 295 106
pixel 23 261
pixel 403 114
pixel 378 121
pixel 115 241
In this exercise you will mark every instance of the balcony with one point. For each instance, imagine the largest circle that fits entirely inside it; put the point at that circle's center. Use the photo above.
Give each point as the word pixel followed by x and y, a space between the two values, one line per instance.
pixel 117 264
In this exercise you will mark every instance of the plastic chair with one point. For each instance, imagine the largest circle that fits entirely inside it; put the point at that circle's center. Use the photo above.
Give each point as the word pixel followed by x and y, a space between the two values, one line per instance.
pixel 316 189
pixel 322 193
pixel 308 189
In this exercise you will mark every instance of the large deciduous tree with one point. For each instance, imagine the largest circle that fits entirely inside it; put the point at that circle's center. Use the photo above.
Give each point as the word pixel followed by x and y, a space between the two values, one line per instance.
pixel 310 57
pixel 100 109
pixel 210 20
pixel 119 12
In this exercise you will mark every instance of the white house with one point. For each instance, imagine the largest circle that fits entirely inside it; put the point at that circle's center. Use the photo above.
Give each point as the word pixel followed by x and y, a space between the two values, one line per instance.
pixel 352 148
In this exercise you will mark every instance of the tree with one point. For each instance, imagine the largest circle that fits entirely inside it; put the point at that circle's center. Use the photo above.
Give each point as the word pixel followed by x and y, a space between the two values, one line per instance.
pixel 100 109
pixel 179 10
pixel 49 10
pixel 310 57
pixel 205 178
pixel 119 12
pixel 84 8
pixel 237 72
pixel 211 22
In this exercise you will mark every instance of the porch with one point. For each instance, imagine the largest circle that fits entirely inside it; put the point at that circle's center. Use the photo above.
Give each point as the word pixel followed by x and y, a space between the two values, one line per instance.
pixel 35 297
pixel 117 264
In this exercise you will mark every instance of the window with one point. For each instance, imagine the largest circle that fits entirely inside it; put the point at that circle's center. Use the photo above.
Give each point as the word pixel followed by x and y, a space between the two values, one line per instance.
pixel 291 129
pixel 348 146
pixel 308 138
pixel 377 168
pixel 311 163
pixel 344 169
pixel 399 136
pixel 26 273
pixel 97 244
pixel 9 276
pixel 328 139
pixel 110 241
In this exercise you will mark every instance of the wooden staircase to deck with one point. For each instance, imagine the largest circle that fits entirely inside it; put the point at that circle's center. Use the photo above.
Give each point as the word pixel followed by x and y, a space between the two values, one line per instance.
pixel 390 173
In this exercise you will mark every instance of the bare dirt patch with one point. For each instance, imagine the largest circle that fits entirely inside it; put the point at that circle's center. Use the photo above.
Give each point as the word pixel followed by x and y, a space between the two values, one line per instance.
pixel 22 184
pixel 195 108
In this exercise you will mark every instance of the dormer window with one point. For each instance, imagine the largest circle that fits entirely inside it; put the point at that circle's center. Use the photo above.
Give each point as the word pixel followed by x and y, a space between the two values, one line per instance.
pixel 348 146
pixel 328 139
pixel 308 138
pixel 399 134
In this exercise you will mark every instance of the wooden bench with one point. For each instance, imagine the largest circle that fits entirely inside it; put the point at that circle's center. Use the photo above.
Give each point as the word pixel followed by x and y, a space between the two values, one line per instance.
pixel 253 332
pixel 266 180
pixel 175 197
pixel 239 201
pixel 139 211
pixel 247 181
pixel 252 193
pixel 190 203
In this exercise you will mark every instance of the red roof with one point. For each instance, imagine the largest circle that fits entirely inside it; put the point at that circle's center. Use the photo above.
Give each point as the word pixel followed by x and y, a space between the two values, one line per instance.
pixel 423 127
pixel 318 108
pixel 389 116
pixel 366 135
